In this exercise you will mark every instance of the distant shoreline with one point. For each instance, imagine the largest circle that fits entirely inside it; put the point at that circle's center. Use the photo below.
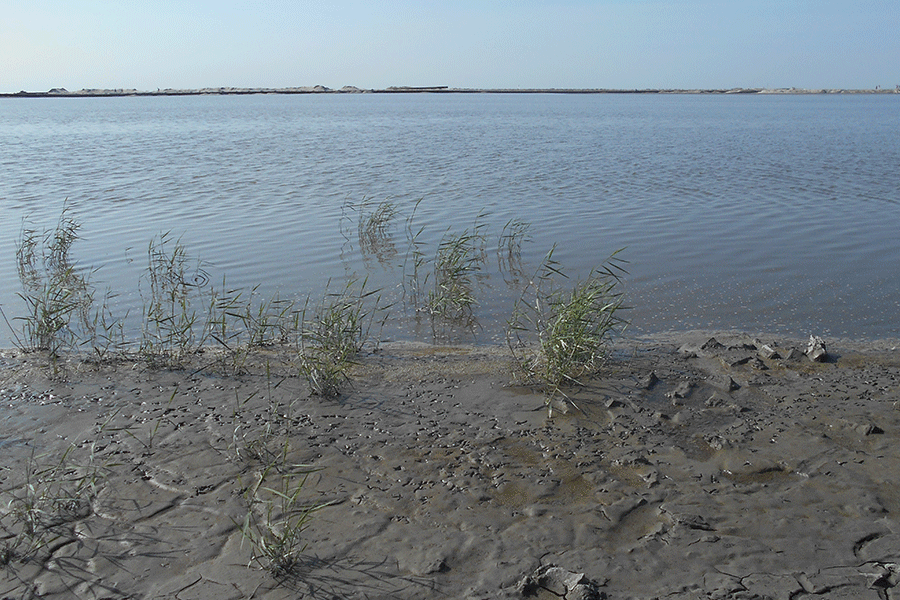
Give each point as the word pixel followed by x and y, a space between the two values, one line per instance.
pixel 318 89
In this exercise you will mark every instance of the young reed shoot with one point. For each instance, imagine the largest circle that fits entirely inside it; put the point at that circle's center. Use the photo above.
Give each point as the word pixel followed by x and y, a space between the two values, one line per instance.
pixel 333 333
pixel 559 334
pixel 262 445
pixel 243 322
pixel 179 309
pixel 55 292
pixel 49 493
pixel 457 262
pixel 276 519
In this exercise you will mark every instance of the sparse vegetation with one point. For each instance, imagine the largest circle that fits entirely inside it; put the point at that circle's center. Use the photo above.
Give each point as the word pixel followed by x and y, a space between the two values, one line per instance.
pixel 557 335
pixel 276 519
pixel 268 446
pixel 239 326
pixel 147 437
pixel 560 334
pixel 333 332
pixel 276 515
pixel 48 493
pixel 175 284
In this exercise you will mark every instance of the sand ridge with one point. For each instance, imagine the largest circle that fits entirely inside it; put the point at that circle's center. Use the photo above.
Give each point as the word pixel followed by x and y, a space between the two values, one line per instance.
pixel 693 467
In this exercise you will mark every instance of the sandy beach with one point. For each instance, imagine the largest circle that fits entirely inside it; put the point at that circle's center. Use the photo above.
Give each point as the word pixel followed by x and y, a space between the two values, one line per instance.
pixel 697 465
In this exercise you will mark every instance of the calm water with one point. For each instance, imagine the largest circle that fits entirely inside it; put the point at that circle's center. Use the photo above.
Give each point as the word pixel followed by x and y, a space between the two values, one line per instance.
pixel 759 213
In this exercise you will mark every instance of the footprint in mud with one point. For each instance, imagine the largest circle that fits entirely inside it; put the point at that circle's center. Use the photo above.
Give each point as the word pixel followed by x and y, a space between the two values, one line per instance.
pixel 632 523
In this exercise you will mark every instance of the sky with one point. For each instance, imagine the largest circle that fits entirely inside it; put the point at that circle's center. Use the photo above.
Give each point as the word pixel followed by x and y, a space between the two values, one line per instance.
pixel 617 44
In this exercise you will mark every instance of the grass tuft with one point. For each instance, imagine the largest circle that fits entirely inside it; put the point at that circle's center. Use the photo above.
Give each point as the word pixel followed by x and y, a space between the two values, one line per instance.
pixel 276 519
pixel 457 262
pixel 173 325
pixel 240 325
pixel 52 493
pixel 559 335
pixel 333 333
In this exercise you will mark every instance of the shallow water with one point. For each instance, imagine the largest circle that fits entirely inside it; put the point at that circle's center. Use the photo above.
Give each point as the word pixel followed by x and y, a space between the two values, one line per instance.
pixel 760 213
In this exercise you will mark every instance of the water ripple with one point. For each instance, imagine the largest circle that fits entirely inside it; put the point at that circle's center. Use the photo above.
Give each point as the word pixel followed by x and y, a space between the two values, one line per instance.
pixel 763 213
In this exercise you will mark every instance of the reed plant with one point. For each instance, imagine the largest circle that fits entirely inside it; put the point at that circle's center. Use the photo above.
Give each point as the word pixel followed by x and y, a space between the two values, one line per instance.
pixel 243 322
pixel 514 234
pixel 54 291
pixel 269 445
pixel 559 334
pixel 333 332
pixel 457 262
pixel 147 438
pixel 276 515
pixel 179 306
pixel 104 332
pixel 268 322
pixel 226 309
pixel 415 276
pixel 373 230
pixel 276 519
pixel 48 493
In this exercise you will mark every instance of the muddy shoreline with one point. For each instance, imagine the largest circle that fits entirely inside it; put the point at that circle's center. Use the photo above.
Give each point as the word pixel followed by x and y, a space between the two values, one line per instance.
pixel 694 466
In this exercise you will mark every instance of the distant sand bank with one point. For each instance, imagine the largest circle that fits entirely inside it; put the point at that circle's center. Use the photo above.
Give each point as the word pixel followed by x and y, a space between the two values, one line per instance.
pixel 319 89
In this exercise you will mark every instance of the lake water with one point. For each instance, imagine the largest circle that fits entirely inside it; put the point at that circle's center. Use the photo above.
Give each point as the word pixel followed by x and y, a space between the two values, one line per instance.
pixel 759 213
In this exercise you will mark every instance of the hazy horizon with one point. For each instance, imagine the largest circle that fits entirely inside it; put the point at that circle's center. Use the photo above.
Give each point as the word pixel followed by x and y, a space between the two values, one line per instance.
pixel 492 44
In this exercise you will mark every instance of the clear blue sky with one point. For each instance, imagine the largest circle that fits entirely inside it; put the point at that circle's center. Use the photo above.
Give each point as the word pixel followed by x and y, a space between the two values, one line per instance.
pixel 150 44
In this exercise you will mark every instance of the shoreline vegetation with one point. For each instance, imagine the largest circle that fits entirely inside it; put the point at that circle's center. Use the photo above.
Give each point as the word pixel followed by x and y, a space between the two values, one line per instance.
pixel 245 446
pixel 558 333
pixel 253 447
pixel 441 89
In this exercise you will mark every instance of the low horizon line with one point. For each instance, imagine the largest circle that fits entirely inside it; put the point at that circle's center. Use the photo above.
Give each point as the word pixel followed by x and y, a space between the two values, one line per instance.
pixel 349 89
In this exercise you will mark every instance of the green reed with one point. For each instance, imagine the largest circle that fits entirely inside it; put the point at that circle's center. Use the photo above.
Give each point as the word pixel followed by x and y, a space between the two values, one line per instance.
pixel 457 262
pixel 559 334
pixel 49 493
pixel 373 230
pixel 514 234
pixel 334 331
pixel 60 299
pixel 276 519
pixel 179 306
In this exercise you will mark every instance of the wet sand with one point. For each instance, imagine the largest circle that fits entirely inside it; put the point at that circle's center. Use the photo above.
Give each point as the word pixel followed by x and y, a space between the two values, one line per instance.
pixel 691 468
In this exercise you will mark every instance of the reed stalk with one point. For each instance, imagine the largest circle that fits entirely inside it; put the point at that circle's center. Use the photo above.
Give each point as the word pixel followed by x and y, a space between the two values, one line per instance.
pixel 457 262
pixel 514 234
pixel 334 331
pixel 559 334
pixel 179 309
